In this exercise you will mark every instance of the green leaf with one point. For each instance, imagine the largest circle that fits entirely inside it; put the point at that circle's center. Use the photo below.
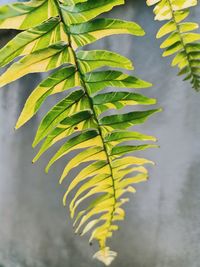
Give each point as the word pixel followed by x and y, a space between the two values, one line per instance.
pixel 51 31
pixel 91 60
pixel 83 12
pixel 83 140
pixel 118 137
pixel 124 121
pixel 72 2
pixel 89 32
pixel 91 154
pixel 118 100
pixel 96 168
pixel 125 162
pixel 167 28
pixel 77 122
pixel 73 103
pixel 61 80
pixel 25 15
pixel 188 26
pixel 181 39
pixel 97 81
pixel 26 42
pixel 122 150
pixel 40 61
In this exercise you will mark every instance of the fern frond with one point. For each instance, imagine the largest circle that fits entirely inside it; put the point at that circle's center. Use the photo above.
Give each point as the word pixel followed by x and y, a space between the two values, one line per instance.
pixel 181 40
pixel 59 28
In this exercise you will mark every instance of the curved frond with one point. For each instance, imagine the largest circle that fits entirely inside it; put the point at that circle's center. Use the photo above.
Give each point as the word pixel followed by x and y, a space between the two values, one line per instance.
pixel 52 32
pixel 181 41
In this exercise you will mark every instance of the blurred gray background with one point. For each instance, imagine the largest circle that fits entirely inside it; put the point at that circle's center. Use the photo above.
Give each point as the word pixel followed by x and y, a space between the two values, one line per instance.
pixel 162 226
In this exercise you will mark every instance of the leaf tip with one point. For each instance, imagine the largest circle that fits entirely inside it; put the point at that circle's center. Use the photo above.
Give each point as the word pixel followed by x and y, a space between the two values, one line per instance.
pixel 105 255
pixel 18 125
pixel 47 169
pixel 35 159
pixel 147 84
pixel 61 179
pixel 64 202
pixel 130 66
pixel 34 144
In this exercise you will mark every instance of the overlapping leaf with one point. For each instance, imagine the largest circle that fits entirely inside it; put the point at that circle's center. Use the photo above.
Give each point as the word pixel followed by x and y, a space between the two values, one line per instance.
pixel 48 33
pixel 91 60
pixel 89 32
pixel 61 80
pixel 25 15
pixel 82 12
pixel 53 30
pixel 181 40
pixel 40 61
pixel 97 81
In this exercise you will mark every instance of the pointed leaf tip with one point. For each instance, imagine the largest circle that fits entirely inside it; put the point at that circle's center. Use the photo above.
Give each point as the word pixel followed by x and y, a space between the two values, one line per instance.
pixel 35 159
pixel 17 125
pixel 47 168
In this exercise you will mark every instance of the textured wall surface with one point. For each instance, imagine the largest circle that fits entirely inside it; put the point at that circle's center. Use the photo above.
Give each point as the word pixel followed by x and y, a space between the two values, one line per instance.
pixel 162 226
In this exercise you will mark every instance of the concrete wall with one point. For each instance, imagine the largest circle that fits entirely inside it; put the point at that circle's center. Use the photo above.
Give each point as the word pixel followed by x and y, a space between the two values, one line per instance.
pixel 162 226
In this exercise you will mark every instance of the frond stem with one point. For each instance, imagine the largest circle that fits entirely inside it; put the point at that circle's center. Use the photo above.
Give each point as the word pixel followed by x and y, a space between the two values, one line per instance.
pixel 103 245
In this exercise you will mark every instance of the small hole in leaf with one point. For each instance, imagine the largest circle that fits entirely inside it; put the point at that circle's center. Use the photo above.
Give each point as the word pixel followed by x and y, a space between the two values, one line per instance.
pixel 75 128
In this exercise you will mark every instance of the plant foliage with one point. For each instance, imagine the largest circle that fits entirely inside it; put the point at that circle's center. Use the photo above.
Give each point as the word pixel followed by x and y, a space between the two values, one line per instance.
pixel 181 39
pixel 51 32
